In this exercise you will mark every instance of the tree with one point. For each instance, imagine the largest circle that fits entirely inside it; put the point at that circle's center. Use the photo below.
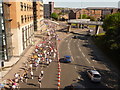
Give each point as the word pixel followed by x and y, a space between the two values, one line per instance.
pixel 55 16
pixel 84 16
pixel 112 27
pixel 91 18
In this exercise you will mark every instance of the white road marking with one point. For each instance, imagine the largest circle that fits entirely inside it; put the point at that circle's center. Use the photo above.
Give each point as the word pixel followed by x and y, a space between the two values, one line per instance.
pixel 75 67
pixel 87 60
pixel 78 77
pixel 93 67
pixel 83 54
pixel 72 58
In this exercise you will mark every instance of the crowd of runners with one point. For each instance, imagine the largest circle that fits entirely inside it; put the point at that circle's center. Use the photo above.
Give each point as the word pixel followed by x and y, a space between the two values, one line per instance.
pixel 43 54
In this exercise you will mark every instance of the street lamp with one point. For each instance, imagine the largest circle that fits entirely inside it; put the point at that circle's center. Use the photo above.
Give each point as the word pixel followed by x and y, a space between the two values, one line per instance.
pixel 81 14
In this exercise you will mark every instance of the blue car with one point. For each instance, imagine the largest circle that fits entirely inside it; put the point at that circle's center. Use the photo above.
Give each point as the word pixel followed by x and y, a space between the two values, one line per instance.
pixel 66 59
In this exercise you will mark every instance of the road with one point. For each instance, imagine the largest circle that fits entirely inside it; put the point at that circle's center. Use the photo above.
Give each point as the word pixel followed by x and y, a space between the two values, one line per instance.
pixel 85 55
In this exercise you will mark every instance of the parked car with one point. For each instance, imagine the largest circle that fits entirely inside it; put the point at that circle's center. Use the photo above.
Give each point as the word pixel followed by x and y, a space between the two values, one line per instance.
pixel 66 59
pixel 74 86
pixel 94 75
pixel 75 37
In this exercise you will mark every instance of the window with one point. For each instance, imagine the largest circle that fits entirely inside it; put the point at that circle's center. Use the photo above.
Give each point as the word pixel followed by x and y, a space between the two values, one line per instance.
pixel 22 18
pixel 27 7
pixel 25 18
pixel 21 5
pixel 24 7
pixel 28 17
pixel 23 39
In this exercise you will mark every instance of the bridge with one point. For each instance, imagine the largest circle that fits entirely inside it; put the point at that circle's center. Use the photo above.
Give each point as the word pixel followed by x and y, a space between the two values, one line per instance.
pixel 84 22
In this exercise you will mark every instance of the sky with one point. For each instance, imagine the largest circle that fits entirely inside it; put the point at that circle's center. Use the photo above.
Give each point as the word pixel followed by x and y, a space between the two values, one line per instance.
pixel 85 3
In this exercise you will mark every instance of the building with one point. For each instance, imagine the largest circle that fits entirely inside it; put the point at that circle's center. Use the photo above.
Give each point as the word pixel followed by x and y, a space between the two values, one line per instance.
pixel 38 14
pixel 6 48
pixel 51 6
pixel 48 9
pixel 74 14
pixel 18 20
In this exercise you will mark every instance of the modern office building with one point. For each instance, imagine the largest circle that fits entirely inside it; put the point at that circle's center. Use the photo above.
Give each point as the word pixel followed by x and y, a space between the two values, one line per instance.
pixel 38 15
pixel 17 24
pixel 6 48
pixel 51 6
pixel 22 29
pixel 48 9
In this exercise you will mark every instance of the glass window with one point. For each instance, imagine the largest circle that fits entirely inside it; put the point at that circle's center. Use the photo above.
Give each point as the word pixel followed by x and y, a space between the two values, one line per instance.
pixel 25 18
pixel 22 18
pixel 24 7
pixel 21 5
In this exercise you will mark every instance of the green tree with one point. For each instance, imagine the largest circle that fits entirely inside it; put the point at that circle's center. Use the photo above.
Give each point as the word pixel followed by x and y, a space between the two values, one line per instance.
pixel 55 16
pixel 84 16
pixel 91 18
pixel 112 27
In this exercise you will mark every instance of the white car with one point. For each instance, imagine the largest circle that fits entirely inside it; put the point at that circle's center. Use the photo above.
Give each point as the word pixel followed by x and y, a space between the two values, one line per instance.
pixel 94 75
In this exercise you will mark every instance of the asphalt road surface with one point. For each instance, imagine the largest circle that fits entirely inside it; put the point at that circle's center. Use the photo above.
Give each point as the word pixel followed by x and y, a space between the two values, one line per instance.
pixel 85 55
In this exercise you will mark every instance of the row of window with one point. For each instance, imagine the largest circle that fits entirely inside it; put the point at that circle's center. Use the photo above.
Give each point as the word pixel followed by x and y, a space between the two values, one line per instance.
pixel 27 34
pixel 26 18
pixel 26 7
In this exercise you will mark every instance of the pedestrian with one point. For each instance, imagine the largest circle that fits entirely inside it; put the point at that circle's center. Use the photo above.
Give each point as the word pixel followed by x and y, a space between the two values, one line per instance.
pixel 25 76
pixel 31 73
pixel 41 73
pixel 16 75
pixel 30 67
pixel 39 82
pixel 21 78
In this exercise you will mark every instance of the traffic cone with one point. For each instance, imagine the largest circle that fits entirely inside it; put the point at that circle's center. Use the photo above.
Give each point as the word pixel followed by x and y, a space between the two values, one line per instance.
pixel 59 70
pixel 58 73
pixel 58 79
pixel 58 83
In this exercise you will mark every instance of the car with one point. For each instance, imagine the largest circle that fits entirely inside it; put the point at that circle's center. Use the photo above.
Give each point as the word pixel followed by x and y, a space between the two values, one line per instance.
pixel 94 75
pixel 75 37
pixel 74 86
pixel 66 59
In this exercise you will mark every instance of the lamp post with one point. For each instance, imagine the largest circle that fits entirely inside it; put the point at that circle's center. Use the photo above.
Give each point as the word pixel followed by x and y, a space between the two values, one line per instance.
pixel 81 14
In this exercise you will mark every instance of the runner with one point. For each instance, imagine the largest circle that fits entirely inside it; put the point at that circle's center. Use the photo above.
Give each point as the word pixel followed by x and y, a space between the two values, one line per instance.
pixel 31 73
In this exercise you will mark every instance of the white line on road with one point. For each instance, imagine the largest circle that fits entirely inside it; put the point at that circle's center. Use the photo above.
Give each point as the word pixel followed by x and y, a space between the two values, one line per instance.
pixel 72 57
pixel 93 67
pixel 79 77
pixel 83 54
pixel 75 67
pixel 87 60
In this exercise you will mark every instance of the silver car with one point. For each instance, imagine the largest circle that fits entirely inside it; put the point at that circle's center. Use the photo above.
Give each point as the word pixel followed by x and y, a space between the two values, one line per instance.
pixel 94 75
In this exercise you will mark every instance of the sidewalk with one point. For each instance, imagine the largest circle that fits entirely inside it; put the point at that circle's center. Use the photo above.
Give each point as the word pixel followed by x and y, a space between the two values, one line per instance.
pixel 16 63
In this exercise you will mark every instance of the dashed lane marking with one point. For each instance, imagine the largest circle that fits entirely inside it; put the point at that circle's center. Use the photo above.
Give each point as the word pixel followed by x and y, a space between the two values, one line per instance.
pixel 93 67
pixel 72 58
pixel 75 67
pixel 83 54
pixel 79 48
pixel 88 60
